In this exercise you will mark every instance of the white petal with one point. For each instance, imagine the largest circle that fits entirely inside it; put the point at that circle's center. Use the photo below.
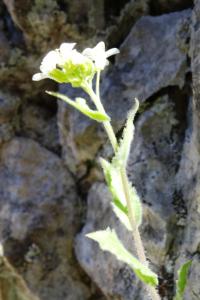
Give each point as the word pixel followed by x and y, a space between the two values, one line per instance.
pixel 50 61
pixel 88 52
pixel 65 49
pixel 100 47
pixel 96 52
pixel 38 76
pixel 67 46
pixel 100 63
pixel 112 51
pixel 77 58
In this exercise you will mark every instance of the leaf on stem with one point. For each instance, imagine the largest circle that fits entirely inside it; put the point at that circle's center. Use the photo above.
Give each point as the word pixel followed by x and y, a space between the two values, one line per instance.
pixel 121 157
pixel 113 179
pixel 182 280
pixel 108 241
pixel 81 105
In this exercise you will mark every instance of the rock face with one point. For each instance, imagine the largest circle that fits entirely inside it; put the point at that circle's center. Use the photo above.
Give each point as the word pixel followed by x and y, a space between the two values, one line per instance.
pixel 52 190
pixel 38 193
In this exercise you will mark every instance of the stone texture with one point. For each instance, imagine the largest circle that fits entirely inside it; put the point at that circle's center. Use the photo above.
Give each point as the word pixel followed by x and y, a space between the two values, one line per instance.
pixel 42 205
pixel 159 127
pixel 37 21
pixel 9 105
pixel 166 6
pixel 136 67
pixel 147 68
pixel 40 124
pixel 39 217
pixel 118 282
pixel 188 176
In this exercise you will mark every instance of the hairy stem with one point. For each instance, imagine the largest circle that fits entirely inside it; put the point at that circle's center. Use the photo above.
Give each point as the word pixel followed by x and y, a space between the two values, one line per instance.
pixel 136 235
pixel 107 125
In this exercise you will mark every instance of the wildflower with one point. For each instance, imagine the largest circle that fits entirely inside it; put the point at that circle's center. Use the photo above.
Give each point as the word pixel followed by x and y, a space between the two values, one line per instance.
pixel 66 65
pixel 99 55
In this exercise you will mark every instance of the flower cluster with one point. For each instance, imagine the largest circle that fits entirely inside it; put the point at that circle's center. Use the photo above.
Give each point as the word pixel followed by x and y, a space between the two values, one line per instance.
pixel 67 65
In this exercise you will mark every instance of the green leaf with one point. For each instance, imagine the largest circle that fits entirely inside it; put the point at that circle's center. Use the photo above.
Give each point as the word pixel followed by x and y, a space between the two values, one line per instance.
pixel 121 157
pixel 108 241
pixel 113 179
pixel 136 204
pixel 82 106
pixel 182 280
pixel 122 216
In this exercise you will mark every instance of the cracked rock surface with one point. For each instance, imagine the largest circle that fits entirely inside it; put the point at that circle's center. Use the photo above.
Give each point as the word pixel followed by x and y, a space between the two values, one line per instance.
pixel 52 190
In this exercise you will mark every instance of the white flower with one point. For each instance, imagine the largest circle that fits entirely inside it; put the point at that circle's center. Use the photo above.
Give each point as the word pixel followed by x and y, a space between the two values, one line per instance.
pixel 66 49
pixel 53 59
pixel 66 65
pixel 99 55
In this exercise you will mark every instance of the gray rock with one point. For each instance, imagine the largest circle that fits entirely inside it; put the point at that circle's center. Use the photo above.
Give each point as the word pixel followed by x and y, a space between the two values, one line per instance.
pixel 113 277
pixel 40 124
pixel 39 206
pixel 155 153
pixel 9 105
pixel 145 67
pixel 193 290
pixel 188 175
pixel 4 47
pixel 140 71
pixel 48 23
pixel 39 216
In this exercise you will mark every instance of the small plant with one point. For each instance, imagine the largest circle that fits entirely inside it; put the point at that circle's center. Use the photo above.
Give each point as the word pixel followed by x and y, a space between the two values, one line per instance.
pixel 67 65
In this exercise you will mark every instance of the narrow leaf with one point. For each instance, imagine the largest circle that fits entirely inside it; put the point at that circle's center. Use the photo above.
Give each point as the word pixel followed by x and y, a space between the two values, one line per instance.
pixel 136 204
pixel 113 179
pixel 182 280
pixel 121 157
pixel 108 241
pixel 122 216
pixel 82 106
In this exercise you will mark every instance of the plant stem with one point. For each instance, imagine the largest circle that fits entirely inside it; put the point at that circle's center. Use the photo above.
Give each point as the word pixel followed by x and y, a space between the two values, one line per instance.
pixel 136 235
pixel 101 109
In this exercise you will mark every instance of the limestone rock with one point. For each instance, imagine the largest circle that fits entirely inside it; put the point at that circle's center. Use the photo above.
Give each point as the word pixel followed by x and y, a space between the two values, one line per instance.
pixel 188 174
pixel 40 124
pixel 40 211
pixel 4 47
pixel 47 23
pixel 147 68
pixel 155 151
pixel 140 71
pixel 39 217
pixel 193 290
pixel 113 277
pixel 9 105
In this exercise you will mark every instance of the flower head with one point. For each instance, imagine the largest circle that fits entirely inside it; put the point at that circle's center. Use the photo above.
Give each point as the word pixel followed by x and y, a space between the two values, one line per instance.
pixel 66 65
pixel 99 55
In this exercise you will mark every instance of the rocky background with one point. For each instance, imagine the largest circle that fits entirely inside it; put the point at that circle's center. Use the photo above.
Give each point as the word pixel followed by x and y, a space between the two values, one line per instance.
pixel 52 190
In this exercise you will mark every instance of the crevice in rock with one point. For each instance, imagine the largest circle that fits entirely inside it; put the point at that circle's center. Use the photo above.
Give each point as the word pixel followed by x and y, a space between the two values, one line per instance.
pixel 38 121
pixel 180 207
pixel 113 8
pixel 63 5
pixel 164 7
pixel 14 34
pixel 124 19
pixel 166 280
